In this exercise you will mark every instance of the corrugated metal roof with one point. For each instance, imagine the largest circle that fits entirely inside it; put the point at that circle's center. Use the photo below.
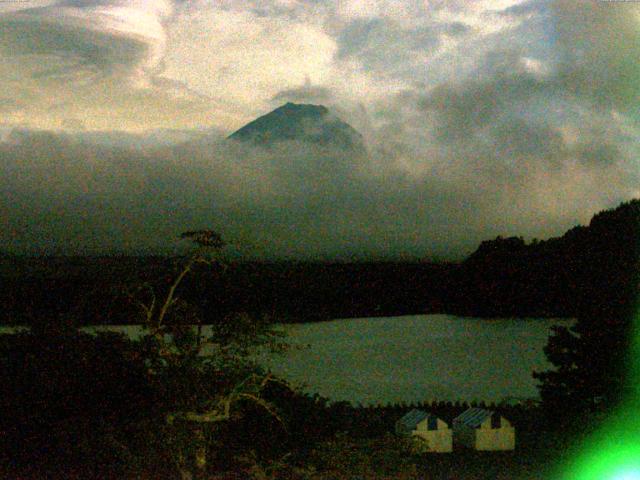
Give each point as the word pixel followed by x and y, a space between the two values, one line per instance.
pixel 413 418
pixel 473 417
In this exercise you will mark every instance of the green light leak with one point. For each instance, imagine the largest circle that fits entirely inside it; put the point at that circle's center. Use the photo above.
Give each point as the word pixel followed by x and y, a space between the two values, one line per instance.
pixel 613 453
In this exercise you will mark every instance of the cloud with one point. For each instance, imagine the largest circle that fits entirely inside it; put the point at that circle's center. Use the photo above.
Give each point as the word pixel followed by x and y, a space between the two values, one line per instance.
pixel 384 46
pixel 97 61
pixel 202 63
pixel 600 44
pixel 305 94
pixel 101 37
pixel 293 201
pixel 482 118
pixel 374 8
pixel 473 105
pixel 244 57
pixel 296 201
pixel 9 105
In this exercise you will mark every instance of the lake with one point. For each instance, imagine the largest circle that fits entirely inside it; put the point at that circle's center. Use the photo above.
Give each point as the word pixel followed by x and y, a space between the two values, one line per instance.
pixel 409 358
pixel 416 358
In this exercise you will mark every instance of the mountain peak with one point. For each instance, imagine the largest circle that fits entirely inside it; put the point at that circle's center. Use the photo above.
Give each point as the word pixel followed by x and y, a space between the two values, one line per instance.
pixel 307 123
pixel 303 108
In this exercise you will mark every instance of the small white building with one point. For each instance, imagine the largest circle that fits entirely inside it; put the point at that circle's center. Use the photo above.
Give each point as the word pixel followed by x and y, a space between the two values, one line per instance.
pixel 483 430
pixel 431 433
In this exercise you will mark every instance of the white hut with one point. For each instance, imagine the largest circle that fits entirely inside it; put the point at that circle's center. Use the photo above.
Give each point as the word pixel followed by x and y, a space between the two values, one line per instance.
pixel 431 433
pixel 483 430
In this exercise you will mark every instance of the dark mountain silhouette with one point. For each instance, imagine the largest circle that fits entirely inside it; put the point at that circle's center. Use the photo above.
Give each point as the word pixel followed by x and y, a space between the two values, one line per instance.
pixel 594 359
pixel 313 124
pixel 589 267
pixel 590 272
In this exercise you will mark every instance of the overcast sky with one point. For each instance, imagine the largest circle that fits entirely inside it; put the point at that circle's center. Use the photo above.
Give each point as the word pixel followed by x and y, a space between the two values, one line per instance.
pixel 481 117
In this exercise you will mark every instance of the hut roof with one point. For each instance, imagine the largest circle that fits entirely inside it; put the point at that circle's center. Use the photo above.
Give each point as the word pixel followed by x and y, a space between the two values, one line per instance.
pixel 473 417
pixel 414 417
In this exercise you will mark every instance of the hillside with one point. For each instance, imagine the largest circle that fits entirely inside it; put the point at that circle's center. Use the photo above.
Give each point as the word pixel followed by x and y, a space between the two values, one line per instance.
pixel 589 268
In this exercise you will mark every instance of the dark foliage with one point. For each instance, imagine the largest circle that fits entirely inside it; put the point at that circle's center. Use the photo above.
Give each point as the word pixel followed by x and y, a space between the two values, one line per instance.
pixel 592 359
pixel 292 292
pixel 588 271
pixel 204 238
pixel 558 277
pixel 70 398
pixel 97 406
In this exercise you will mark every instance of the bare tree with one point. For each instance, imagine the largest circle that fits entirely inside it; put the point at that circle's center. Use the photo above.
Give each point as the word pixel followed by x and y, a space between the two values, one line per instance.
pixel 195 363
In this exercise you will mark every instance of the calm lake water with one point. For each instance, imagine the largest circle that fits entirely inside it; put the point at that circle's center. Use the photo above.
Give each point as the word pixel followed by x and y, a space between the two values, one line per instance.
pixel 410 358
pixel 415 358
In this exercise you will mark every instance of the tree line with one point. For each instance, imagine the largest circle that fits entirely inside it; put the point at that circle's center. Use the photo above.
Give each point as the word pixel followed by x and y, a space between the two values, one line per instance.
pixel 504 277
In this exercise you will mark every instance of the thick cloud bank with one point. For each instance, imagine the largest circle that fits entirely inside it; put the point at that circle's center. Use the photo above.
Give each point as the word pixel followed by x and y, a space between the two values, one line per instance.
pixel 480 118
pixel 66 194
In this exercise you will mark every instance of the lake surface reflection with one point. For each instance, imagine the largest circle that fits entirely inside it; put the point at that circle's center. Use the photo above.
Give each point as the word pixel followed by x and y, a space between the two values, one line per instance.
pixel 407 359
pixel 416 358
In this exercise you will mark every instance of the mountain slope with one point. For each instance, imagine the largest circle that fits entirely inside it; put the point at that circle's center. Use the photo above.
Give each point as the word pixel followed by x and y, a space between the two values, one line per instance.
pixel 307 123
pixel 589 268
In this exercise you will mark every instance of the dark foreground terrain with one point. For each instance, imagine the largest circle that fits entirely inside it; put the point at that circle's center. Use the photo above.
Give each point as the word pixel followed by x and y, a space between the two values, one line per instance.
pixel 73 405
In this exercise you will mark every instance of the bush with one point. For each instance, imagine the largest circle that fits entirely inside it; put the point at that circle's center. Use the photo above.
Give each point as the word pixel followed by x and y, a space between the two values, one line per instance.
pixel 73 398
